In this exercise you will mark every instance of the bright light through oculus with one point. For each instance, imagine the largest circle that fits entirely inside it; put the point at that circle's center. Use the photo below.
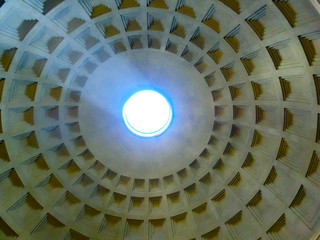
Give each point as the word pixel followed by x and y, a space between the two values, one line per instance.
pixel 147 113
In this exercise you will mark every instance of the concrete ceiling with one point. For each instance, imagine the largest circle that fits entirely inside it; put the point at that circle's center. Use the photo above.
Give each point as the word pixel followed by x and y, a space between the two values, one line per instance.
pixel 240 159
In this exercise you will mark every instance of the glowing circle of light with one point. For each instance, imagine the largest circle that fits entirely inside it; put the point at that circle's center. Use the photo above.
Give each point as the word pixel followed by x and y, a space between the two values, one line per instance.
pixel 147 113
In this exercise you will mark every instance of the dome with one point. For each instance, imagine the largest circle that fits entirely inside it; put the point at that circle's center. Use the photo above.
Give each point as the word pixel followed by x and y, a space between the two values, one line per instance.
pixel 240 158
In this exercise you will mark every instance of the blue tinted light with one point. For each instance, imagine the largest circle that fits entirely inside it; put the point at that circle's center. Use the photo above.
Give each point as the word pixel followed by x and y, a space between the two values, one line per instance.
pixel 147 113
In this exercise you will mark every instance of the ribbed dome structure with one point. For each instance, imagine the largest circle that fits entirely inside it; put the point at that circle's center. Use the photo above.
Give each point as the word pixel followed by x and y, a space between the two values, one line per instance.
pixel 240 160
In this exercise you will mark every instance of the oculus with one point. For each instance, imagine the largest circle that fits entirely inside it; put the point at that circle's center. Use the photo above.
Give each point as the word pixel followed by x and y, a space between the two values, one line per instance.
pixel 147 113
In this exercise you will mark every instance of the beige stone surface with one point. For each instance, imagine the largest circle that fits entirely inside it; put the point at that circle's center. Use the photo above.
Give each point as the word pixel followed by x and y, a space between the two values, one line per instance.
pixel 241 159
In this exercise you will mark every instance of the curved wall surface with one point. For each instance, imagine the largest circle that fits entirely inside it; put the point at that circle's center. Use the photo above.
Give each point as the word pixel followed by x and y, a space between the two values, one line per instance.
pixel 241 159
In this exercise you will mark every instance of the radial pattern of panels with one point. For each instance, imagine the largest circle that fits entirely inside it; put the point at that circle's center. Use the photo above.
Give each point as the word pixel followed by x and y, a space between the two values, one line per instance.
pixel 257 178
